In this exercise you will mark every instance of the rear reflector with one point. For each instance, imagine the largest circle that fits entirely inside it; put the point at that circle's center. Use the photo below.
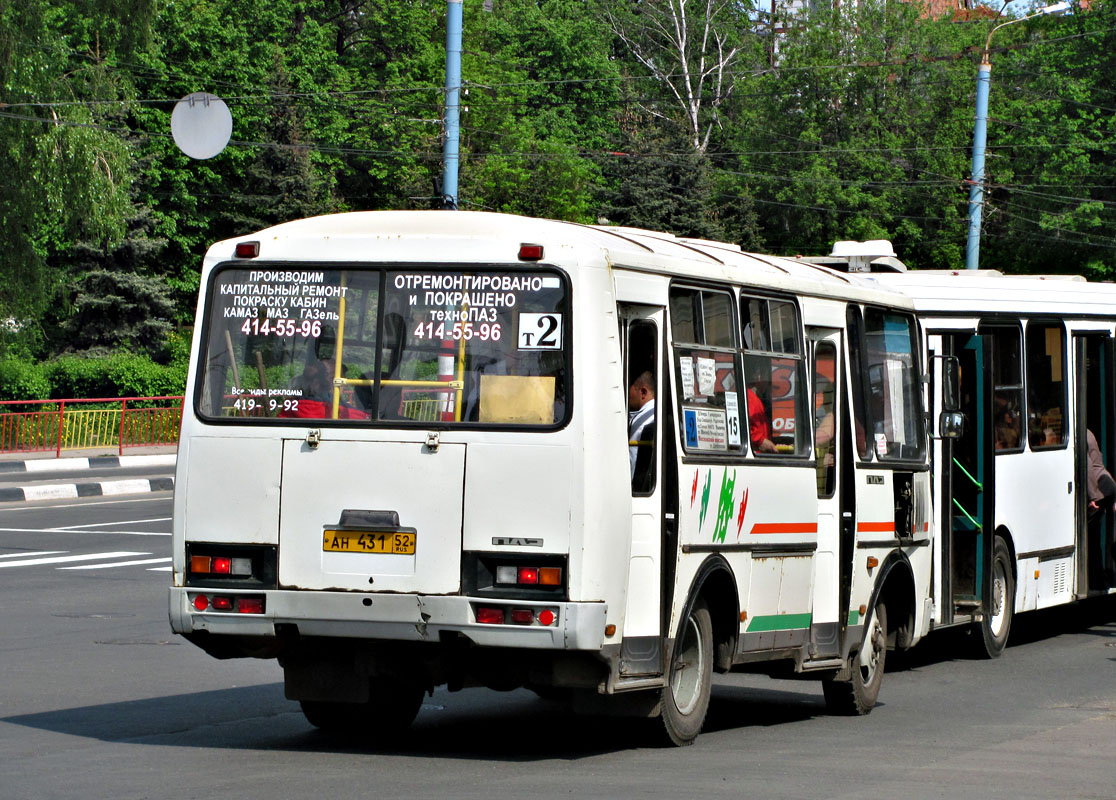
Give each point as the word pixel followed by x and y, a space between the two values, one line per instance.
pixel 522 616
pixel 222 604
pixel 250 605
pixel 201 602
pixel 490 616
pixel 546 617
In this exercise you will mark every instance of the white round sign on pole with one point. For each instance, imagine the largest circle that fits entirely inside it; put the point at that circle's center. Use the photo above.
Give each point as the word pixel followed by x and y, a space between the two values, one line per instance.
pixel 201 125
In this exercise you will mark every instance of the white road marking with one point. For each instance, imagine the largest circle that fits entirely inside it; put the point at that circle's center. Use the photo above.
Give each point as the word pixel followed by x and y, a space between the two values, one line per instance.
pixel 99 533
pixel 35 553
pixel 160 569
pixel 114 564
pixel 122 522
pixel 31 562
pixel 95 500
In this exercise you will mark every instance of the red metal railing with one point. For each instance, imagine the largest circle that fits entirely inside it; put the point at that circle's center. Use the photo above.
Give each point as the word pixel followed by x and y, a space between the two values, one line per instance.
pixel 73 424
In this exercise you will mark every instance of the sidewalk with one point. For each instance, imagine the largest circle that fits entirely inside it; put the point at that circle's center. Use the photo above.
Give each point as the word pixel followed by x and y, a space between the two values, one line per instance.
pixel 43 463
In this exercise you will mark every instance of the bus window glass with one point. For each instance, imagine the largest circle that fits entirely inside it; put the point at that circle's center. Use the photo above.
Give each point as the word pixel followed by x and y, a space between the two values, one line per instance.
pixel 1046 385
pixel 775 373
pixel 431 346
pixel 891 389
pixel 503 336
pixel 855 322
pixel 707 368
pixel 825 417
pixel 272 343
pixel 1007 380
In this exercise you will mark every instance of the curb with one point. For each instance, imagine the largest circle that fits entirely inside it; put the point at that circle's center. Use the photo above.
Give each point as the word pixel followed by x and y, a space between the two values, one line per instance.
pixel 61 491
pixel 39 465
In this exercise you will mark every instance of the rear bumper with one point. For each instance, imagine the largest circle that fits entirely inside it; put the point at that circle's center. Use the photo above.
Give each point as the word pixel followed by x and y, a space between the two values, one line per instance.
pixel 398 617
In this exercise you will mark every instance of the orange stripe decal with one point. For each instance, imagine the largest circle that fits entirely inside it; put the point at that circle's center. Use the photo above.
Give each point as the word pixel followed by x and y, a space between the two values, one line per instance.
pixel 875 527
pixel 785 527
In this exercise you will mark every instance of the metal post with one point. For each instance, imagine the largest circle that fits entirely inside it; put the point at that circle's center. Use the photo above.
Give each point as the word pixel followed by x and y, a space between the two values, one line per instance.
pixel 976 189
pixel 123 413
pixel 451 150
pixel 61 423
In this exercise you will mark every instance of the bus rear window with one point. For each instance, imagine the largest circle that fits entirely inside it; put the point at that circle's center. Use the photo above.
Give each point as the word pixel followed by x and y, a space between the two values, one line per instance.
pixel 427 346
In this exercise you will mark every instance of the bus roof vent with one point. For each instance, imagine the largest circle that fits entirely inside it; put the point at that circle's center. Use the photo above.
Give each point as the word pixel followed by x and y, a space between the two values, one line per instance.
pixel 875 255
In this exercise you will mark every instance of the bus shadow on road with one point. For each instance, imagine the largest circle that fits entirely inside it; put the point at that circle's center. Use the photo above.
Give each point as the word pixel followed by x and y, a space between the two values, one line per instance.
pixel 1095 616
pixel 475 723
pixel 472 724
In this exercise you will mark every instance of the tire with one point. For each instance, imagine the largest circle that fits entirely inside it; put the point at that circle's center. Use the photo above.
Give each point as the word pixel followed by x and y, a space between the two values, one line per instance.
pixel 991 633
pixel 391 707
pixel 857 696
pixel 690 678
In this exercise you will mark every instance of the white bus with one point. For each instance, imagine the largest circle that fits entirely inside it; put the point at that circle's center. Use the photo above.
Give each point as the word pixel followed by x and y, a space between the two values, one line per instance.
pixel 1035 375
pixel 405 462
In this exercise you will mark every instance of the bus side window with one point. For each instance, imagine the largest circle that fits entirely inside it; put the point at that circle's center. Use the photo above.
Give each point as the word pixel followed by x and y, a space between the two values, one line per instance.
pixel 1046 384
pixel 775 372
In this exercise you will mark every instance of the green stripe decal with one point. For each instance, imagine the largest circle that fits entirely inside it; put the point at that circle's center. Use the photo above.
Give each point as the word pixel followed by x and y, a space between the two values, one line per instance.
pixel 779 622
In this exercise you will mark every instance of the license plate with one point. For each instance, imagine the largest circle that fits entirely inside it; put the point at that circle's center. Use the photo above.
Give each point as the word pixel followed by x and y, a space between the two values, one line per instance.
pixel 390 542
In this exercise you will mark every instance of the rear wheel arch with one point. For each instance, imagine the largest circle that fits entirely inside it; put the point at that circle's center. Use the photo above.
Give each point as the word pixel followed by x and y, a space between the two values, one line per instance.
pixel 715 585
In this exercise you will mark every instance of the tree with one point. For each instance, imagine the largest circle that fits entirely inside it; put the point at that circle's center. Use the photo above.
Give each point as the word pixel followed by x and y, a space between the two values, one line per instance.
pixel 1051 168
pixel 66 168
pixel 661 183
pixel 859 133
pixel 542 92
pixel 691 48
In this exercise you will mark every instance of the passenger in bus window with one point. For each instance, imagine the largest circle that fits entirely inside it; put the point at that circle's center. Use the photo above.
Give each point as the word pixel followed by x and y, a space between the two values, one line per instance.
pixel 1006 427
pixel 641 413
pixel 1102 496
pixel 759 423
pixel 759 428
pixel 315 382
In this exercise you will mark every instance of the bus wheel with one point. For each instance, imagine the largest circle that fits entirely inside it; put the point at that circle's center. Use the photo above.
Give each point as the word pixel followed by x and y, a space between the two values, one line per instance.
pixel 993 629
pixel 390 709
pixel 690 678
pixel 857 695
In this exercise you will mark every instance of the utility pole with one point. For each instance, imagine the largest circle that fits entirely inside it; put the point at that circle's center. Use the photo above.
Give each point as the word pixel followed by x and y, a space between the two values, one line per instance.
pixel 451 149
pixel 980 133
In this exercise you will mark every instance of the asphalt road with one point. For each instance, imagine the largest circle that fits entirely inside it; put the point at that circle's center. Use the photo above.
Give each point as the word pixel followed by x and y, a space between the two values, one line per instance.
pixel 99 699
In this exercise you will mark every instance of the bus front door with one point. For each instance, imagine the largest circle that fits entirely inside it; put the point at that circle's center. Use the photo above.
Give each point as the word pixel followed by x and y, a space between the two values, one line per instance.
pixel 835 504
pixel 652 527
pixel 967 500
pixel 1093 356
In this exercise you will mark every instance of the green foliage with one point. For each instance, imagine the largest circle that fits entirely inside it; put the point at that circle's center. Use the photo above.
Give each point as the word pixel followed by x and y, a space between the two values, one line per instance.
pixel 23 380
pixel 661 184
pixel 116 375
pixel 66 172
pixel 119 309
pixel 852 121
